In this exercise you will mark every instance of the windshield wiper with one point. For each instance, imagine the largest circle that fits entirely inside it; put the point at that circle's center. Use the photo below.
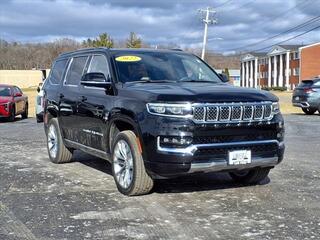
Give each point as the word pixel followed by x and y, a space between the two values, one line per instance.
pixel 196 80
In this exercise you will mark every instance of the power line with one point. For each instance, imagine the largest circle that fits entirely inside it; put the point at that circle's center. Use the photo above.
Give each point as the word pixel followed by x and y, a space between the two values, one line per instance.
pixel 291 38
pixel 225 3
pixel 297 27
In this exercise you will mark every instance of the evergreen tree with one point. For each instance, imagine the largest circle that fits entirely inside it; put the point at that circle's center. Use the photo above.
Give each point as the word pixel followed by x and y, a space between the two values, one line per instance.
pixel 134 41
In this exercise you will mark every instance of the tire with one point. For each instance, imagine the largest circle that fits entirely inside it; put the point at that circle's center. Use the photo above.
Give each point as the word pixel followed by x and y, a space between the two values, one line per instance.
pixel 58 152
pixel 128 166
pixel 25 114
pixel 252 176
pixel 309 111
pixel 12 116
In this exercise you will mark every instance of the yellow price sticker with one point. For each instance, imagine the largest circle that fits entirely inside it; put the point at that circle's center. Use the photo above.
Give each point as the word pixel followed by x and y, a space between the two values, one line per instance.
pixel 128 59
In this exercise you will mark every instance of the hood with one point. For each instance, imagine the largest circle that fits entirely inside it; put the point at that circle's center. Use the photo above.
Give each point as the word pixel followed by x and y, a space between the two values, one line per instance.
pixel 5 99
pixel 197 92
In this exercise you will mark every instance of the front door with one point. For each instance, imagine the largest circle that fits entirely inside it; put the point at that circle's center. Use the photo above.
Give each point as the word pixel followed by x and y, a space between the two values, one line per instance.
pixel 94 106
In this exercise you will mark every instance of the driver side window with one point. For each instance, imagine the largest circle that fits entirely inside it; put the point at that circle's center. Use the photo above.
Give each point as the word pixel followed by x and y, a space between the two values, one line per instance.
pixel 99 63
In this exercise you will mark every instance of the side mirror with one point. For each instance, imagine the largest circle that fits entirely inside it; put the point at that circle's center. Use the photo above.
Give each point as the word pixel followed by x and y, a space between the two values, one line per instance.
pixel 18 94
pixel 95 79
pixel 224 77
pixel 38 89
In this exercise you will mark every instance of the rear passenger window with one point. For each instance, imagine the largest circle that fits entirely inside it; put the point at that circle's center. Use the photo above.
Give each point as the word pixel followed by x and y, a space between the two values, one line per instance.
pixel 76 70
pixel 57 71
pixel 99 64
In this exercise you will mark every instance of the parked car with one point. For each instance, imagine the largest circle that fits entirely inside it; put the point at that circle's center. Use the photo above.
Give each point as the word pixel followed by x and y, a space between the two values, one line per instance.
pixel 307 96
pixel 39 102
pixel 12 102
pixel 159 114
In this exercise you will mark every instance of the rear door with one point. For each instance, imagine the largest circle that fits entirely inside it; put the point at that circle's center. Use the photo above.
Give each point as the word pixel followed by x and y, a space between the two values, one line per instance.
pixel 93 107
pixel 69 95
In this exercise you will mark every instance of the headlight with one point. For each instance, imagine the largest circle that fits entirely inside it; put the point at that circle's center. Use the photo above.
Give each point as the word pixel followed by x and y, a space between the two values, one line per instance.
pixel 275 108
pixel 173 110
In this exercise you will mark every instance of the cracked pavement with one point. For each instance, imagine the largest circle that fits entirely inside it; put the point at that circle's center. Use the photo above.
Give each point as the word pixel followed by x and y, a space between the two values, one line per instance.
pixel 79 200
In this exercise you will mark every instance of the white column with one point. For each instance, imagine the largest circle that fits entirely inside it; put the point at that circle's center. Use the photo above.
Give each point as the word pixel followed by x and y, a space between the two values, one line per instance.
pixel 269 71
pixel 256 73
pixel 281 72
pixel 275 72
pixel 247 74
pixel 287 70
pixel 242 74
pixel 251 74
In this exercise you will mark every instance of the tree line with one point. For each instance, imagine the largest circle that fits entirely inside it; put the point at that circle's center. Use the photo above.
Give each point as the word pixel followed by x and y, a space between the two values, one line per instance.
pixel 26 56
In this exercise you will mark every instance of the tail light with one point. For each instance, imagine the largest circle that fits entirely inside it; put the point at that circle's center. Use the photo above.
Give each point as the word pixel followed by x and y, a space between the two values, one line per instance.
pixel 309 90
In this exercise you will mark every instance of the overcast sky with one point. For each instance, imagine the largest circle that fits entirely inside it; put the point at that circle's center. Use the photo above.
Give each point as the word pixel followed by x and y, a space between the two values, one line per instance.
pixel 240 22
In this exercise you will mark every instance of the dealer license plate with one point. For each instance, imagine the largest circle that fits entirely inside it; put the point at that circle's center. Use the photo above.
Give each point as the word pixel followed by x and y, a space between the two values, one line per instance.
pixel 239 157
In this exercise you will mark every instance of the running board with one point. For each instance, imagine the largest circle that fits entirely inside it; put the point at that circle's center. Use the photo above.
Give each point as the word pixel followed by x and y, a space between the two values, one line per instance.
pixel 89 150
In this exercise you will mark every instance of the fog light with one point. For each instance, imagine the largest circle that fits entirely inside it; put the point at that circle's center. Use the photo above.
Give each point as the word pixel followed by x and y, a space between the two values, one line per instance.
pixel 175 141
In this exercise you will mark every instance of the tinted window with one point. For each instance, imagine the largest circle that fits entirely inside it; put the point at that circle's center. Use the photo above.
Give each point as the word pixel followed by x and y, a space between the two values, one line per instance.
pixel 17 90
pixel 76 70
pixel 99 64
pixel 157 66
pixel 57 71
pixel 317 83
pixel 5 92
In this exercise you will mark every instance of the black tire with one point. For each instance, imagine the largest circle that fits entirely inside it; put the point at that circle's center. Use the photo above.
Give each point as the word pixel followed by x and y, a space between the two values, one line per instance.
pixel 12 116
pixel 141 182
pixel 309 111
pixel 25 114
pixel 62 154
pixel 252 176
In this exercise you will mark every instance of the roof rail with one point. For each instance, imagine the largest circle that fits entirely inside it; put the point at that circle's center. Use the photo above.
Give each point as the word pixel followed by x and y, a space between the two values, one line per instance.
pixel 83 50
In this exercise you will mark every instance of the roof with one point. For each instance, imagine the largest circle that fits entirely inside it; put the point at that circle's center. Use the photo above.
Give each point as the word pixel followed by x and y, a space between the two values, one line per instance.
pixel 291 47
pixel 115 50
pixel 310 45
pixel 5 85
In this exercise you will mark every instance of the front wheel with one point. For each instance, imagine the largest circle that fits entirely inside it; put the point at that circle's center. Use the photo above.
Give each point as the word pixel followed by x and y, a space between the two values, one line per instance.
pixel 309 111
pixel 12 116
pixel 252 176
pixel 58 152
pixel 25 114
pixel 128 166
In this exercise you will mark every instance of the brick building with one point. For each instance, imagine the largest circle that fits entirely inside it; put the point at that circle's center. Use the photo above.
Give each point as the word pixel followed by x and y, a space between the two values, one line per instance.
pixel 282 66
pixel 309 61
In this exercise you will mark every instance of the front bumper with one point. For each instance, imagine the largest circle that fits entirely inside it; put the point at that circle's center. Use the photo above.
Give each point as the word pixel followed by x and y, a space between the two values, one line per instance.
pixel 210 153
pixel 4 110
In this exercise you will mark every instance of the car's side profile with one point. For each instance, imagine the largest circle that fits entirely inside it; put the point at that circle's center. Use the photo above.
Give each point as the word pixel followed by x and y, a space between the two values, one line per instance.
pixel 307 96
pixel 12 102
pixel 158 114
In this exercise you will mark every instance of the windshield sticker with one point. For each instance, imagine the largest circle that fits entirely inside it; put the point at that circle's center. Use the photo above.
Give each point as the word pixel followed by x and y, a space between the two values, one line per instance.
pixel 128 59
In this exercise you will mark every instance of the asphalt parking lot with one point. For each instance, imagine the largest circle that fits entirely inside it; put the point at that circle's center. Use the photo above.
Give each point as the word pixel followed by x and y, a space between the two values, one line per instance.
pixel 79 200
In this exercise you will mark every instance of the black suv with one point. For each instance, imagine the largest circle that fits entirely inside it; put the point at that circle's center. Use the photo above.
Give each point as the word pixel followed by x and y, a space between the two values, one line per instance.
pixel 159 114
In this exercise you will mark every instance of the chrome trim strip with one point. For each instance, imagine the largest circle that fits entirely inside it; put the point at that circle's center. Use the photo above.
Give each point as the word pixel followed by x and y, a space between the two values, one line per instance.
pixel 219 165
pixel 190 150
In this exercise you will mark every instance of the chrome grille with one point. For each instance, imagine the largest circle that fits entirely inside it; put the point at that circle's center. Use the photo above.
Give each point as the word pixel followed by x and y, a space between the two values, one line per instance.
pixel 232 112
pixel 212 113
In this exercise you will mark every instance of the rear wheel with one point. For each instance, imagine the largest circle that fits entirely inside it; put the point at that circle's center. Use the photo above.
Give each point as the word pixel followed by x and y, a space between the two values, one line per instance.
pixel 58 152
pixel 25 114
pixel 128 166
pixel 252 176
pixel 309 111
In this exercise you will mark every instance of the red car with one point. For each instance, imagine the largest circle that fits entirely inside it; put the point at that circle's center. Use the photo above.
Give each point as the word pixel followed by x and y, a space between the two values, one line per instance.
pixel 12 102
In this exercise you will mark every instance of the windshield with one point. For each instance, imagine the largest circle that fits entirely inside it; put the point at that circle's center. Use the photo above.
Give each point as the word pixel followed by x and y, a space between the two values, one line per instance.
pixel 5 92
pixel 159 66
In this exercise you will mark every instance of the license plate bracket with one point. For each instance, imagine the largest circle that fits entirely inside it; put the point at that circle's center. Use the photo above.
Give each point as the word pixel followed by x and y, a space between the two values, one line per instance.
pixel 239 157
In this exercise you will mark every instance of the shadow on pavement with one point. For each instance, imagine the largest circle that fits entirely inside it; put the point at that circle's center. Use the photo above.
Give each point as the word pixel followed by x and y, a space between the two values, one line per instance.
pixel 190 183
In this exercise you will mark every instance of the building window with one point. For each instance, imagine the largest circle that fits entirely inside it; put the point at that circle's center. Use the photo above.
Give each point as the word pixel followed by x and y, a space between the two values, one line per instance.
pixel 296 55
pixel 296 71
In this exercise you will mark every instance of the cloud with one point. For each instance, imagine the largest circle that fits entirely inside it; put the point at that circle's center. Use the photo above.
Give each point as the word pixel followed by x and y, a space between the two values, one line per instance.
pixel 240 22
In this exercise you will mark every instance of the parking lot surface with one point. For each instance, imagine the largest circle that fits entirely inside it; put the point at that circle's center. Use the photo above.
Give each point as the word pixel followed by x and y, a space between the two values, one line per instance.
pixel 79 200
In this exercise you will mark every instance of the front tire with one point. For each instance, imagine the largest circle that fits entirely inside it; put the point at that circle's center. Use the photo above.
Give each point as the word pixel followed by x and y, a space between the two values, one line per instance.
pixel 58 152
pixel 25 114
pixel 128 166
pixel 252 176
pixel 12 116
pixel 309 111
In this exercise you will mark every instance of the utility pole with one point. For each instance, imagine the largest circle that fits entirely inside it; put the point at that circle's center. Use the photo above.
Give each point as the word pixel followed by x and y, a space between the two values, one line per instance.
pixel 207 18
